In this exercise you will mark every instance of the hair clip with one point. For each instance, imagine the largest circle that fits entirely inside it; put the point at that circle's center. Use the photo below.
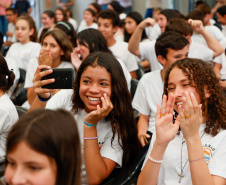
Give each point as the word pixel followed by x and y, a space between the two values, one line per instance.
pixel 65 24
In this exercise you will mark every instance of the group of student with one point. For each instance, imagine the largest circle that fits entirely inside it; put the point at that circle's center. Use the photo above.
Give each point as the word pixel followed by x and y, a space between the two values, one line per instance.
pixel 88 131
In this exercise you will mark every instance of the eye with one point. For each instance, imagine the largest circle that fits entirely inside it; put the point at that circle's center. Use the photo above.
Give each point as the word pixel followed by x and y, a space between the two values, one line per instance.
pixel 53 46
pixel 170 88
pixel 187 84
pixel 34 168
pixel 11 164
pixel 86 81
pixel 104 84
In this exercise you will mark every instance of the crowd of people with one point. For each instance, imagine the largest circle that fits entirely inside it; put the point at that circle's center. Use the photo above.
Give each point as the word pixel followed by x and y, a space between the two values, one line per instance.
pixel 80 135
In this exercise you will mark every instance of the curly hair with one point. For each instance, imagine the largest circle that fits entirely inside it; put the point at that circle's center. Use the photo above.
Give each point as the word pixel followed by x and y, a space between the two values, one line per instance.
pixel 201 76
pixel 121 117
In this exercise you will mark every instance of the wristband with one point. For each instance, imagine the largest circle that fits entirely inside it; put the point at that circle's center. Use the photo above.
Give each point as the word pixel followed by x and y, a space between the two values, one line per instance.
pixel 43 99
pixel 155 161
pixel 87 138
pixel 89 124
pixel 196 159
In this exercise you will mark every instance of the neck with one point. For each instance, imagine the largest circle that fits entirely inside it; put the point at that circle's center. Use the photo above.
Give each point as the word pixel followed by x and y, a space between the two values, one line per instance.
pixel 111 41
pixel 56 63
pixel 163 74
pixel 89 23
pixel 1 92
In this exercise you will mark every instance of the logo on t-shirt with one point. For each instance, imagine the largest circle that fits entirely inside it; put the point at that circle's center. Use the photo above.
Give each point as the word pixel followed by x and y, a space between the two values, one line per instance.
pixel 208 152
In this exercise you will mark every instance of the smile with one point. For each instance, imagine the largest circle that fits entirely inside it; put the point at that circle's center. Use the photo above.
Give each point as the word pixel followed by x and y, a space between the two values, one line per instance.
pixel 94 99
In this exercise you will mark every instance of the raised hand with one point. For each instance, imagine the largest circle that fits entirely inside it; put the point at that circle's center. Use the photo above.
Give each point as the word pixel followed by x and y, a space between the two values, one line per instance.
pixel 75 60
pixel 45 58
pixel 95 116
pixel 147 22
pixel 166 130
pixel 38 83
pixel 190 116
pixel 196 25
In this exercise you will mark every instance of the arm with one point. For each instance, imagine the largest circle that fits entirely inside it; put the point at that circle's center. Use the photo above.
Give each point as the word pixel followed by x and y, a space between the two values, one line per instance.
pixel 165 132
pixel 97 167
pixel 135 39
pixel 38 83
pixel 200 173
pixel 133 74
pixel 145 63
pixel 212 43
pixel 142 127
pixel 217 69
pixel 5 5
pixel 69 4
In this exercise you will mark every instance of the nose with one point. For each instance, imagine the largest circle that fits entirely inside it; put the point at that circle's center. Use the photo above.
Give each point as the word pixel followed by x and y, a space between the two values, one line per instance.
pixel 18 177
pixel 94 88
pixel 100 28
pixel 178 92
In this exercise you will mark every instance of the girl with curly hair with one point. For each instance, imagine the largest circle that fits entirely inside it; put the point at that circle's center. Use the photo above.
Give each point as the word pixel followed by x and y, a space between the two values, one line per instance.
pixel 196 153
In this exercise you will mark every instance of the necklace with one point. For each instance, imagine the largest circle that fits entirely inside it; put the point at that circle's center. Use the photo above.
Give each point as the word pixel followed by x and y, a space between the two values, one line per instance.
pixel 181 175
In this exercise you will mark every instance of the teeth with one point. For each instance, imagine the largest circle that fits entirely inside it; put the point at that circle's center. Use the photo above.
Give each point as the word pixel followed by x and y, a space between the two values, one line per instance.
pixel 180 103
pixel 94 99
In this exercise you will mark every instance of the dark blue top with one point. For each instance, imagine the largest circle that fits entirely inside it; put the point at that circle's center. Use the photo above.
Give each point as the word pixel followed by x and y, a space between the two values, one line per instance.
pixel 22 6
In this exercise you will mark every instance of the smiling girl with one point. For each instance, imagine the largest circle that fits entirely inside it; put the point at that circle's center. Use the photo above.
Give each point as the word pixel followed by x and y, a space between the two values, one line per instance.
pixel 101 105
pixel 26 48
pixel 48 21
pixel 192 150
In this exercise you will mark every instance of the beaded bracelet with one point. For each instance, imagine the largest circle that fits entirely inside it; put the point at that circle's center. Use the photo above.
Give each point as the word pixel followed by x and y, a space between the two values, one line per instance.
pixel 87 138
pixel 155 161
pixel 196 159
pixel 43 99
pixel 89 124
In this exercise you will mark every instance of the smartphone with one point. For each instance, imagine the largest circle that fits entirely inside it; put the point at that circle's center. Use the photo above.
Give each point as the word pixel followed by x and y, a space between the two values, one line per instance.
pixel 64 78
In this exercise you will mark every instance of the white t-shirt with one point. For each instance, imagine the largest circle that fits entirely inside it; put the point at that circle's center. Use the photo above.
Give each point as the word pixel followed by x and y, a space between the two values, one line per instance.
pixel 224 30
pixel 126 73
pixel 125 4
pixel 11 28
pixel 31 69
pixel 221 59
pixel 103 2
pixel 13 65
pixel 214 149
pixel 22 53
pixel 84 26
pixel 153 32
pixel 120 50
pixel 153 3
pixel 214 31
pixel 8 116
pixel 196 50
pixel 113 152
pixel 148 94
pixel 73 23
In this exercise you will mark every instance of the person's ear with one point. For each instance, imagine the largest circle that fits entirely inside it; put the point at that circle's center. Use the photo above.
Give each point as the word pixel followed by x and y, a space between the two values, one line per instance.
pixel 161 59
pixel 115 29
pixel 207 92
pixel 61 52
pixel 31 31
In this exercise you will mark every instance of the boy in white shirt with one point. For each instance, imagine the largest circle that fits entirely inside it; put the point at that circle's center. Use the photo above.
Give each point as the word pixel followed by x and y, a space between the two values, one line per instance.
pixel 169 47
pixel 108 22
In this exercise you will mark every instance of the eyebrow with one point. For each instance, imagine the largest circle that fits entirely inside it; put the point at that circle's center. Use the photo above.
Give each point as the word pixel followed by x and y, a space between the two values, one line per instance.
pixel 103 79
pixel 184 80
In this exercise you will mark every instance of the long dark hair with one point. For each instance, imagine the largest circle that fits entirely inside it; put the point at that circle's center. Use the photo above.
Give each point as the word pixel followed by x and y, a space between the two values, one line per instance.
pixel 121 117
pixel 200 75
pixel 6 76
pixel 94 39
pixel 138 19
pixel 54 134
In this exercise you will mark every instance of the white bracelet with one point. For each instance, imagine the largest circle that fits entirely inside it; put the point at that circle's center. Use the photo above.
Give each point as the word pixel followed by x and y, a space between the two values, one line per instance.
pixel 155 161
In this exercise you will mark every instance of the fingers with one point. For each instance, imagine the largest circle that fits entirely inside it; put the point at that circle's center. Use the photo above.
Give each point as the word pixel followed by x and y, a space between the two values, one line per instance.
pixel 40 74
pixel 163 106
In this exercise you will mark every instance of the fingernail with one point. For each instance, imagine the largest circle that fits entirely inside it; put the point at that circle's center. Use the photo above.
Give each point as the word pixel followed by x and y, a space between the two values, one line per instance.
pixel 102 98
pixel 186 92
pixel 105 94
pixel 192 94
pixel 52 80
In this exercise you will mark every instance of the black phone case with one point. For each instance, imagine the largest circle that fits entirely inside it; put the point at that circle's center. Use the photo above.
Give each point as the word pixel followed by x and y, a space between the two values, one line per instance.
pixel 64 78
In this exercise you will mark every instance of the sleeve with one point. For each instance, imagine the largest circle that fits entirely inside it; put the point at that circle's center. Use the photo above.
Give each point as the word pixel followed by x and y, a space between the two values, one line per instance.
pixel 144 48
pixel 140 102
pixel 31 68
pixel 5 123
pixel 61 99
pixel 10 52
pixel 217 164
pixel 112 151
pixel 131 62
